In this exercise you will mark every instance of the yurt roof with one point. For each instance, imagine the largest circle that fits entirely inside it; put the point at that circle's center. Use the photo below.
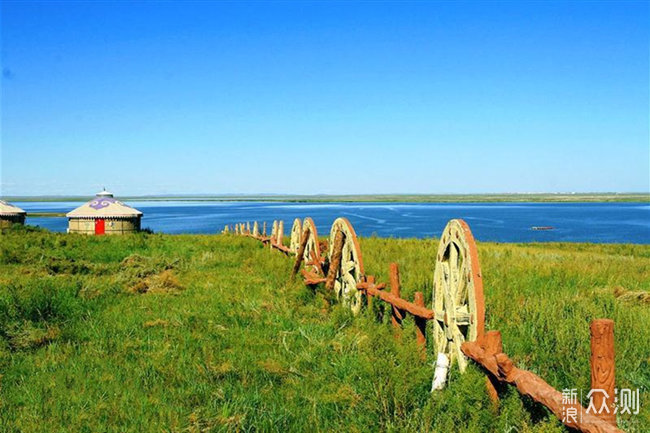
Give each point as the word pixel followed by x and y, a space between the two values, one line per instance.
pixel 10 209
pixel 104 205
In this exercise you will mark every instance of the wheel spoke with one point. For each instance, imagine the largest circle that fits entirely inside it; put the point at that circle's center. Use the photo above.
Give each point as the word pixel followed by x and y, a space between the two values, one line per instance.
pixel 459 339
pixel 349 283
pixel 461 292
pixel 463 318
pixel 348 267
pixel 453 266
pixel 338 288
pixel 449 310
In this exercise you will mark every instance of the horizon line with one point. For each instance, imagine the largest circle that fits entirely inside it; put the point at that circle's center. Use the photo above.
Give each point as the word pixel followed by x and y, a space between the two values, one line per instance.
pixel 279 195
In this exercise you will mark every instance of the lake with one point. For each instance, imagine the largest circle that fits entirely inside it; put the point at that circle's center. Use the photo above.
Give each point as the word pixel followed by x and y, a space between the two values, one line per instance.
pixel 499 222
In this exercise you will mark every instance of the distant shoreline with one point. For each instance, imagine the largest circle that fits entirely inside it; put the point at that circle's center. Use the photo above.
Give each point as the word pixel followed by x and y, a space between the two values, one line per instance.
pixel 371 198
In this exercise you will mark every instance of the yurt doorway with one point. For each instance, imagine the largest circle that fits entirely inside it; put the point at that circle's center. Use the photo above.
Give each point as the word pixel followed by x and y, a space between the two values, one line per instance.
pixel 99 227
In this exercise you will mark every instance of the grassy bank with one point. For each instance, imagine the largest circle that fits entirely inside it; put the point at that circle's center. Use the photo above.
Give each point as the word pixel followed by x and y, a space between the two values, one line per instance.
pixel 201 333
pixel 46 214
pixel 379 198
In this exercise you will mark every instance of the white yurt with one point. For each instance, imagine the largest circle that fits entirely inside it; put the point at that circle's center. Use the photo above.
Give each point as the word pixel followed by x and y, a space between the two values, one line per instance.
pixel 104 215
pixel 10 214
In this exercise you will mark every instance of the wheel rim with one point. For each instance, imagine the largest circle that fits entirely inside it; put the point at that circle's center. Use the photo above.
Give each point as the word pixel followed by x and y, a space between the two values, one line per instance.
pixel 351 270
pixel 312 251
pixel 457 292
pixel 296 233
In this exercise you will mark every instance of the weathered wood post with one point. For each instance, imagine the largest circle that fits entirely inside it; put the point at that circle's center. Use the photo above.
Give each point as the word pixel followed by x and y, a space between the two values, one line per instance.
pixel 492 344
pixel 279 236
pixel 603 368
pixel 335 264
pixel 396 316
pixel 274 231
pixel 313 260
pixel 264 229
pixel 421 327
pixel 301 252
pixel 256 229
pixel 370 280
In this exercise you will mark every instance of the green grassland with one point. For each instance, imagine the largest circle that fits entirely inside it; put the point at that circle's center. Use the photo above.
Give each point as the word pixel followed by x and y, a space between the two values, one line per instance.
pixel 379 198
pixel 199 333
pixel 46 214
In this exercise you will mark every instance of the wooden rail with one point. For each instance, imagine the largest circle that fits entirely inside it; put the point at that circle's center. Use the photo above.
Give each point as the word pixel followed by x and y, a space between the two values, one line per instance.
pixel 312 278
pixel 273 243
pixel 503 369
pixel 400 306
pixel 395 301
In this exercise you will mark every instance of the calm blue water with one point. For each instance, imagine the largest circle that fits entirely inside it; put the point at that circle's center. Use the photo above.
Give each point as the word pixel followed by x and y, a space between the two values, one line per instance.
pixel 500 222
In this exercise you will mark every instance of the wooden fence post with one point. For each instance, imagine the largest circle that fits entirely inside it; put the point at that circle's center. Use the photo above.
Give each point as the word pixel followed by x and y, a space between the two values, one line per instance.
pixel 396 316
pixel 370 279
pixel 279 236
pixel 421 327
pixel 492 345
pixel 603 368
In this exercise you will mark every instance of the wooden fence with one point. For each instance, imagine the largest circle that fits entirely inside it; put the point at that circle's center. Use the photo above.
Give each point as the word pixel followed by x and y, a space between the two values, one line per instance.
pixel 457 313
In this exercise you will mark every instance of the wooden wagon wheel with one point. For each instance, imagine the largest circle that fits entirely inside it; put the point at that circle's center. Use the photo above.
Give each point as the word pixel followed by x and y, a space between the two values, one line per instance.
pixel 312 249
pixel 296 233
pixel 457 292
pixel 350 270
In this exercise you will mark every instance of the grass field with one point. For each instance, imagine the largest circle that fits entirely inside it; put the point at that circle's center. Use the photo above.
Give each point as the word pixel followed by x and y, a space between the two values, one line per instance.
pixel 196 333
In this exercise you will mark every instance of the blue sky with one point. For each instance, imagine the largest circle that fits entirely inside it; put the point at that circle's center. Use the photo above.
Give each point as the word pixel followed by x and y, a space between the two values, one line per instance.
pixel 306 98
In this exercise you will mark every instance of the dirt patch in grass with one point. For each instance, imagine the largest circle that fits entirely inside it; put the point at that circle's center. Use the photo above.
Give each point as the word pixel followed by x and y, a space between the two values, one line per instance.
pixel 141 266
pixel 222 369
pixel 272 366
pixel 155 323
pixel 164 282
pixel 57 266
pixel 641 297
pixel 28 336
